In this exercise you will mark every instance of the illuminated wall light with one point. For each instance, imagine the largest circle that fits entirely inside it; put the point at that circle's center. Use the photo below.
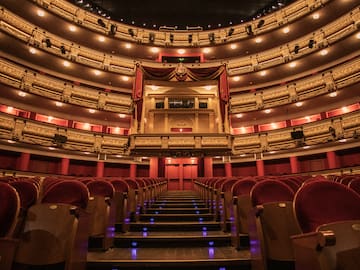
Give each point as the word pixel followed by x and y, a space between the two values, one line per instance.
pixel 125 78
pixel 236 78
pixel 345 109
pixel 50 118
pixel 272 152
pixel 316 16
pixel 308 118
pixel 292 64
pixel 121 115
pixel 128 46
pixel 342 140
pixel 58 104
pixel 324 52
pixel 358 35
pixel 239 115
pixel 208 87
pixel 87 153
pixel 243 155
pixel 97 72
pixel 154 87
pixel 286 30
pixel 206 50
pixel 258 40
pixel 66 64
pixel 263 73
pixel 40 13
pixel 32 50
pixel 181 51
pixel 154 50
pixel 11 141
pixel 233 46
pixel 91 111
pixel 86 126
pixel 22 94
pixel 273 125
pixel 299 104
pixel 72 28
pixel 267 111
pixel 51 148
pixel 306 147
pixel 119 156
pixel 101 39
pixel 9 109
pixel 333 94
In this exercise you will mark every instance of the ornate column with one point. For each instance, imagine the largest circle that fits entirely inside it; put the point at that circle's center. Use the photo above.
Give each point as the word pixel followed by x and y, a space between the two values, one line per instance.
pixel 24 162
pixel 228 169
pixel 64 169
pixel 154 167
pixel 100 169
pixel 208 167
pixel 260 167
pixel 133 170
pixel 294 164
pixel 332 160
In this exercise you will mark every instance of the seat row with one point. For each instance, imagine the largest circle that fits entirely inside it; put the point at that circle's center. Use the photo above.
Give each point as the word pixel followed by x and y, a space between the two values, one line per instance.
pixel 55 220
pixel 291 222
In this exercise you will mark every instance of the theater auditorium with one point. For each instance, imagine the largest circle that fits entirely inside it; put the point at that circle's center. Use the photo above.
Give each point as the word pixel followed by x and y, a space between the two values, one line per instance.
pixel 183 135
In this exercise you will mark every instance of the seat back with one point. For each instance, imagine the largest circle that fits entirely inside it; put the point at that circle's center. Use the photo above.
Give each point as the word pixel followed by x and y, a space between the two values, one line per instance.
pixel 68 192
pixel 268 191
pixel 354 184
pixel 9 209
pixel 322 202
pixel 28 193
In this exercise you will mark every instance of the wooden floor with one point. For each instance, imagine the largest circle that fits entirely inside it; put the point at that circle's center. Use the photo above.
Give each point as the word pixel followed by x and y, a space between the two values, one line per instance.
pixel 172 239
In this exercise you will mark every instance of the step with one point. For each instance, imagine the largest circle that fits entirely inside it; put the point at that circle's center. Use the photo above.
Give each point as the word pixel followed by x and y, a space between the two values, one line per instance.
pixel 198 258
pixel 177 210
pixel 172 239
pixel 175 226
pixel 176 217
pixel 177 205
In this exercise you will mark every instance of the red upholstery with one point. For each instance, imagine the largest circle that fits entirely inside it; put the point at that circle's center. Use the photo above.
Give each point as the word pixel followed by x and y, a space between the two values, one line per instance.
pixel 355 185
pixel 227 185
pixel 101 188
pixel 291 183
pixel 119 185
pixel 27 191
pixel 132 183
pixel 270 191
pixel 346 179
pixel 322 202
pixel 243 187
pixel 9 208
pixel 68 192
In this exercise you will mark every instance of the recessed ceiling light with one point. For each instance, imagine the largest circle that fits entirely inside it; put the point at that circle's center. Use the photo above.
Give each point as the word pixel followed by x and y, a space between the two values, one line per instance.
pixel 292 64
pixel 11 141
pixel 91 111
pixel 316 16
pixel 236 78
pixel 233 46
pixel 239 115
pixel 128 46
pixel 206 50
pixel 154 50
pixel 72 28
pixel 32 50
pixel 333 94
pixel 258 40
pixel 97 72
pixel 358 35
pixel 299 104
pixel 306 147
pixel 272 152
pixel 181 51
pixel 66 64
pixel 208 87
pixel 263 73
pixel 40 13
pixel 267 111
pixel 154 87
pixel 324 52
pixel 22 94
pixel 125 78
pixel 58 104
pixel 101 38
pixel 121 115
pixel 51 148
pixel 286 30
pixel 342 140
pixel 87 153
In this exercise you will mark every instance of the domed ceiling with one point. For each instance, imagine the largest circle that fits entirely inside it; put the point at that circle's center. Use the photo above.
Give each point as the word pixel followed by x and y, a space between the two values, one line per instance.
pixel 207 14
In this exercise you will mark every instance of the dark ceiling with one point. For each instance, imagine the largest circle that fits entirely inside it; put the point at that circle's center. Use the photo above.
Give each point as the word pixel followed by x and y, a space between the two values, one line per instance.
pixel 208 14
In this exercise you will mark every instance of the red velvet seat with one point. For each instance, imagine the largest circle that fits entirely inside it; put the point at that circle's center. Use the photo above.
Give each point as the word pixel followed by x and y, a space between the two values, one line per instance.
pixel 354 184
pixel 242 207
pixel 329 216
pixel 102 214
pixel 9 210
pixel 271 225
pixel 56 230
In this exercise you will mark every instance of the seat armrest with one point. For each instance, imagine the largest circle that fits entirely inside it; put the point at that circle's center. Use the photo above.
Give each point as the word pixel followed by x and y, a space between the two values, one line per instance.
pixel 314 240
